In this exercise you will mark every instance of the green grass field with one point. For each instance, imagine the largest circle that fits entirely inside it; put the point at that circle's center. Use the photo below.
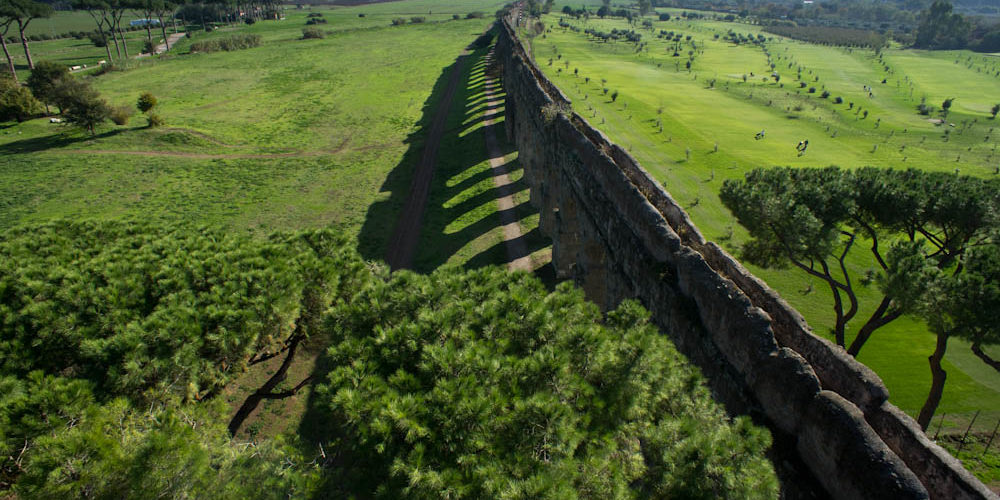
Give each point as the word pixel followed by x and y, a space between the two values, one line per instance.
pixel 710 115
pixel 73 52
pixel 280 136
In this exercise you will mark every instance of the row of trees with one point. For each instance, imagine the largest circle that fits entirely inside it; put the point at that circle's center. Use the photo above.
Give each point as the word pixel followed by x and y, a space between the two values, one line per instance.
pixel 21 13
pixel 940 29
pixel 108 15
pixel 114 336
pixel 934 239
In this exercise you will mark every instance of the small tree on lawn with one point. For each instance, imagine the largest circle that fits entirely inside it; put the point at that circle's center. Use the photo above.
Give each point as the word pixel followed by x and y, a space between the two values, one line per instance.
pixel 146 103
pixel 81 104
pixel 994 110
pixel 957 302
pixel 16 102
pixel 23 12
pixel 946 106
pixel 43 79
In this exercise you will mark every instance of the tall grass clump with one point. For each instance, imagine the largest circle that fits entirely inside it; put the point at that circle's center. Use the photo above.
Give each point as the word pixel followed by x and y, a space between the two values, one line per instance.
pixel 234 42
pixel 312 33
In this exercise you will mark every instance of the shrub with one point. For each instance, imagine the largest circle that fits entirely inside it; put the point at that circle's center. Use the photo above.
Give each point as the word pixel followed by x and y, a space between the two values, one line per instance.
pixel 317 20
pixel 825 94
pixel 234 42
pixel 417 19
pixel 97 39
pixel 838 100
pixel 552 110
pixel 16 102
pixel 119 65
pixel 812 90
pixel 148 47
pixel 314 14
pixel 147 101
pixel 81 104
pixel 399 21
pixel 43 79
pixel 308 33
pixel 121 114
pixel 154 120
pixel 474 15
pixel 456 17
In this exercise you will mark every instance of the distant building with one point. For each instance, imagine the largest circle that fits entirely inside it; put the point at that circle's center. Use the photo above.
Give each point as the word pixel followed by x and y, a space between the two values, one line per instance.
pixel 145 22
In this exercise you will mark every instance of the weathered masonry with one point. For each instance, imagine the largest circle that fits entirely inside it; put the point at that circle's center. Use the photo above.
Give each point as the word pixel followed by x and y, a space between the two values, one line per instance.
pixel 619 235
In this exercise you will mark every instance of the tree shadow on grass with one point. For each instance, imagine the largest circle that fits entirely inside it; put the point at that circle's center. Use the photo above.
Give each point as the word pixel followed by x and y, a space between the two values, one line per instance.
pixel 382 216
pixel 461 192
pixel 463 203
pixel 462 207
pixel 54 141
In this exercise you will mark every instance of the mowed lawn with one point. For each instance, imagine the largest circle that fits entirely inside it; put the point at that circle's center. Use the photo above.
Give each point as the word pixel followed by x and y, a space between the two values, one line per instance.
pixel 693 129
pixel 292 134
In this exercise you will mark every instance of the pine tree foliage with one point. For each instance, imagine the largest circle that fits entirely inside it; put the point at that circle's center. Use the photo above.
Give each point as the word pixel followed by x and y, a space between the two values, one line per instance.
pixel 115 335
pixel 144 311
pixel 118 451
pixel 481 385
pixel 814 218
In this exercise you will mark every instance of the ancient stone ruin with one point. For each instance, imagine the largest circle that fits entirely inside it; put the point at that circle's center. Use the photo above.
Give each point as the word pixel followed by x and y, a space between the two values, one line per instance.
pixel 619 235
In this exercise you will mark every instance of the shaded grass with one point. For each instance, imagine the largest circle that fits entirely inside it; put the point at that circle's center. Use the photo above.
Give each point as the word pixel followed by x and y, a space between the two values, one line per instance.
pixel 983 462
pixel 461 222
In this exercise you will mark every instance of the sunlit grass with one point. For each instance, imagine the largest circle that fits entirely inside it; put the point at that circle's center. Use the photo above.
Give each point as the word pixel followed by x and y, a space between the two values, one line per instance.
pixel 693 129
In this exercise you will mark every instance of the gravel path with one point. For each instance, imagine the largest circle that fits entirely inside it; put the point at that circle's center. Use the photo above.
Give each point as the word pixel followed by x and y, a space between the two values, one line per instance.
pixel 161 48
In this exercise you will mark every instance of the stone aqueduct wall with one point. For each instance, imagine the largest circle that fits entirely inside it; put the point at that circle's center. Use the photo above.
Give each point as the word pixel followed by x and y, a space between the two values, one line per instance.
pixel 619 235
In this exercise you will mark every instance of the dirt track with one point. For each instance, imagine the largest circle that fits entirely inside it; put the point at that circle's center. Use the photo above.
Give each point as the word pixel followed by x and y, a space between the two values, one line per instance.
pixel 403 243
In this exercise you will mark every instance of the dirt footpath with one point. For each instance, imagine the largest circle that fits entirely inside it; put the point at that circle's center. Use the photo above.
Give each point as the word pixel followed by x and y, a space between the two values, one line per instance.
pixel 403 243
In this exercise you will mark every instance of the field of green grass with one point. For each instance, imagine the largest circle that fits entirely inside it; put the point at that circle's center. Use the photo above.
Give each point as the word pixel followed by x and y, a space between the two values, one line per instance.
pixel 64 21
pixel 694 128
pixel 292 134
pixel 73 52
pixel 285 135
